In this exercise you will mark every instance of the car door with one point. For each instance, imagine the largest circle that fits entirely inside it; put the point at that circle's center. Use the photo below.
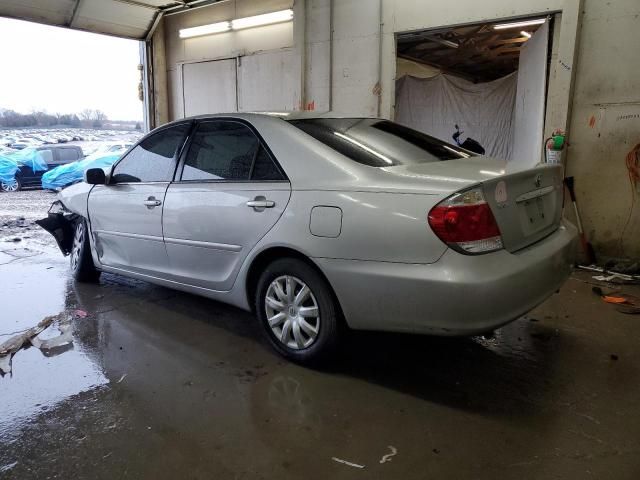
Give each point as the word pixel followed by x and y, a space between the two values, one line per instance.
pixel 229 193
pixel 126 214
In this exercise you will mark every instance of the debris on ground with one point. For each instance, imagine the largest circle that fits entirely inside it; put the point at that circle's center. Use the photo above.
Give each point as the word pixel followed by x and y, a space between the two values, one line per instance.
pixel 611 276
pixel 345 462
pixel 625 303
pixel 389 456
pixel 65 338
pixel 29 336
pixel 8 466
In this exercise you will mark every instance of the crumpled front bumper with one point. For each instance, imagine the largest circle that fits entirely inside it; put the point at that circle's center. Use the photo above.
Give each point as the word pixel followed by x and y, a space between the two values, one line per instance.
pixel 60 223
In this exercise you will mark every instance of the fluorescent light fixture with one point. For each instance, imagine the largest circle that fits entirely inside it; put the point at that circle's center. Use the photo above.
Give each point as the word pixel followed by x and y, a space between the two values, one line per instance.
pixel 525 34
pixel 364 147
pixel 264 19
pixel 525 23
pixel 205 29
pixel 274 114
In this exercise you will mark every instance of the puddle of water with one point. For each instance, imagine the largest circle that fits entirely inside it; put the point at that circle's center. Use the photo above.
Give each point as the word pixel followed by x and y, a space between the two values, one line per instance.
pixel 31 289
pixel 39 382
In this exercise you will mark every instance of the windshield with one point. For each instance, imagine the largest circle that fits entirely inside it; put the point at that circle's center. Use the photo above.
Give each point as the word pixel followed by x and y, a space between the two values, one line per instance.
pixel 379 143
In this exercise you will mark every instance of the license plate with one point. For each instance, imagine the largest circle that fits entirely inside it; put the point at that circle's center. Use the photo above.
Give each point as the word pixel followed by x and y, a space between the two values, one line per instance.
pixel 535 213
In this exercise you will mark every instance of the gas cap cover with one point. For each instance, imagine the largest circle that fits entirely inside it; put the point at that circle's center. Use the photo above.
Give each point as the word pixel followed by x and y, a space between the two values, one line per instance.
pixel 326 221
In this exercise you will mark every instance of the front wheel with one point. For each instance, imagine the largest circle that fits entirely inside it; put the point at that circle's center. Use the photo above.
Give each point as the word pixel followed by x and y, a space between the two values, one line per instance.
pixel 13 186
pixel 81 262
pixel 297 311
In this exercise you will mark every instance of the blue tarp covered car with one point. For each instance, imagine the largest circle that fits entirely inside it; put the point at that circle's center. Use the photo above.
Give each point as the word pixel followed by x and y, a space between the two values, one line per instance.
pixel 8 169
pixel 12 162
pixel 65 175
pixel 30 157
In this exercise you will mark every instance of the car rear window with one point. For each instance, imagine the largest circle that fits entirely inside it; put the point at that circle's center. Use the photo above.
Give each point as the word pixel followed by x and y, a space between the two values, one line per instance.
pixel 379 143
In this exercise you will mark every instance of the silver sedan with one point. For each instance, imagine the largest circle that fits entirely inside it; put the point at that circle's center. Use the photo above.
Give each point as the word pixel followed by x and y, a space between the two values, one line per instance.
pixel 317 224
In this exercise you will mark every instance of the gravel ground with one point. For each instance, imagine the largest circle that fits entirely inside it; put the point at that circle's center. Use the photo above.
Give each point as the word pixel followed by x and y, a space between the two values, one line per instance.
pixel 19 211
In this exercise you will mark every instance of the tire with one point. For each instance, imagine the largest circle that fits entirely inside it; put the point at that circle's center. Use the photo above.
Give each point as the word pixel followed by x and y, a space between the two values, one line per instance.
pixel 15 186
pixel 308 338
pixel 80 260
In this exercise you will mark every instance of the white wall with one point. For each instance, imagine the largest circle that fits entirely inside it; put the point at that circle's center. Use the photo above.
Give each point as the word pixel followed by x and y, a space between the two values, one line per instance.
pixel 223 45
pixel 344 75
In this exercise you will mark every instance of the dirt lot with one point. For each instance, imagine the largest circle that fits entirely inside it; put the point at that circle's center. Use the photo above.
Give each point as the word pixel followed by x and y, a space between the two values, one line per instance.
pixel 19 211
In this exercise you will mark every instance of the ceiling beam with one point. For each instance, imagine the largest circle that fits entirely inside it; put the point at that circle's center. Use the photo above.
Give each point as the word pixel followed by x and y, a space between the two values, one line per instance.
pixel 439 67
pixel 138 4
pixel 154 25
pixel 74 13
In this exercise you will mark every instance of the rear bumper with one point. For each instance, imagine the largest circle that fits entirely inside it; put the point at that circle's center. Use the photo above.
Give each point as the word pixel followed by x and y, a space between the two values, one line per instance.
pixel 457 295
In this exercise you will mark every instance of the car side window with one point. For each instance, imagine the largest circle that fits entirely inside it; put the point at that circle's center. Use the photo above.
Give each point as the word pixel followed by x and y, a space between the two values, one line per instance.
pixel 66 155
pixel 265 168
pixel 227 150
pixel 153 159
pixel 47 156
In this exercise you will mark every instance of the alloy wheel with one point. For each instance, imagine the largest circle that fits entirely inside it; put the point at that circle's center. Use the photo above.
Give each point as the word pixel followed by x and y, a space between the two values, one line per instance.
pixel 78 238
pixel 10 186
pixel 292 312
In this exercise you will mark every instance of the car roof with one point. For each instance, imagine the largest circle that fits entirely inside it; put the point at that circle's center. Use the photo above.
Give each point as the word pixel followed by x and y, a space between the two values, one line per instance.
pixel 55 147
pixel 304 115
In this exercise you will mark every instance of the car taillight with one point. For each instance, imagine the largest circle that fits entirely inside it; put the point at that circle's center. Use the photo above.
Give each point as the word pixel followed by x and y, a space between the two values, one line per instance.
pixel 464 221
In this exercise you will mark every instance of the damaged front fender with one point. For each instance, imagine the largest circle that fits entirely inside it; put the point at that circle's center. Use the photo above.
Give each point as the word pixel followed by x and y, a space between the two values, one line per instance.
pixel 60 223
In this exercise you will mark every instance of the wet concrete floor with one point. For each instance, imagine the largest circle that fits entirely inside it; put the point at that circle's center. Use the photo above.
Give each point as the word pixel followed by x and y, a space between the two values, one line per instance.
pixel 161 384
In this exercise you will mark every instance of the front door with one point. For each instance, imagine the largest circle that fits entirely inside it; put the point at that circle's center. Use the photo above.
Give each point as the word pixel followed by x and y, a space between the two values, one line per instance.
pixel 126 214
pixel 229 195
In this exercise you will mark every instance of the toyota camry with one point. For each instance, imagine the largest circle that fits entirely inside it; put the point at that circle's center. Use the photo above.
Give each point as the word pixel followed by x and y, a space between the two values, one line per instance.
pixel 318 224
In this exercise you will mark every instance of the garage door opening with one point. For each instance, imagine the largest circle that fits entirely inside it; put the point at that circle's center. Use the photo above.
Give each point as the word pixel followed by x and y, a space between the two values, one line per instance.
pixel 488 79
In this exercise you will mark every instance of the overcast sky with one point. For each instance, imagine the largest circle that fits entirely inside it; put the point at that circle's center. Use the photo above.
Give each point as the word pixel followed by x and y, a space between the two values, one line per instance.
pixel 66 71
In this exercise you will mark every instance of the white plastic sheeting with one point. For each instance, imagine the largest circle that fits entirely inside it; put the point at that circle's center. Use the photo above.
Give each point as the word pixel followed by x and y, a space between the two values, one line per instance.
pixel 530 105
pixel 484 111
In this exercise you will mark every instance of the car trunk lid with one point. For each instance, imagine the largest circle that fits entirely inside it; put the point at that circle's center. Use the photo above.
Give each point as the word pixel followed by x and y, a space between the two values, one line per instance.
pixel 526 203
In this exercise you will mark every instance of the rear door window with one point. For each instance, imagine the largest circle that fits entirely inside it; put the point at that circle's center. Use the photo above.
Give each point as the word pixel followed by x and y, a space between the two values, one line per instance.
pixel 67 155
pixel 154 158
pixel 47 156
pixel 228 151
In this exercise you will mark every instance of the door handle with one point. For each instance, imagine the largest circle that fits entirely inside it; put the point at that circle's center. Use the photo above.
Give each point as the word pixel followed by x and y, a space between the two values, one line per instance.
pixel 152 202
pixel 260 203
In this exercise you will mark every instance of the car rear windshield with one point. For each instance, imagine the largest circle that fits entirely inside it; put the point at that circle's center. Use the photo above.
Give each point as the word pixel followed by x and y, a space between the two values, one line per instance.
pixel 379 143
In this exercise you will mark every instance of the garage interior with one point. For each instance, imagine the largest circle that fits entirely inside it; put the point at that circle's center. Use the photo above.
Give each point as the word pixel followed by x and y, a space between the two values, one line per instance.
pixel 490 79
pixel 164 384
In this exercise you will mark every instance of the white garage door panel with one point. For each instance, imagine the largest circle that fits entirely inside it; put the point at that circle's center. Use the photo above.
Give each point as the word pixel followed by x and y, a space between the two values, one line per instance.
pixel 209 87
pixel 266 82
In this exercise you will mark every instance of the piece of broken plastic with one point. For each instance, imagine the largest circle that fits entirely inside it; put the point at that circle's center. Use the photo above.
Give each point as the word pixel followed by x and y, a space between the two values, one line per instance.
pixel 14 344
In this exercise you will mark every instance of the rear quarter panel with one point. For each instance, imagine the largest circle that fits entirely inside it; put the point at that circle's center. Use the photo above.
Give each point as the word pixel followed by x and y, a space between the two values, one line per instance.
pixel 388 227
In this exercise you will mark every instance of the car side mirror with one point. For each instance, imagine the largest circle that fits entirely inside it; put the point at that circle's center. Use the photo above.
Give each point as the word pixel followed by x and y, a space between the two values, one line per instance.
pixel 95 176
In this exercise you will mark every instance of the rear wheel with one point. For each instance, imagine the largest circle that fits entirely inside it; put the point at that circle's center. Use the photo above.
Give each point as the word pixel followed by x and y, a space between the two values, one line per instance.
pixel 80 259
pixel 14 186
pixel 297 310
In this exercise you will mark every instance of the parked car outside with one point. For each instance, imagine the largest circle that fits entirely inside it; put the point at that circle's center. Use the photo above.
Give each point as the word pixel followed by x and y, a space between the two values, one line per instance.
pixel 319 224
pixel 53 156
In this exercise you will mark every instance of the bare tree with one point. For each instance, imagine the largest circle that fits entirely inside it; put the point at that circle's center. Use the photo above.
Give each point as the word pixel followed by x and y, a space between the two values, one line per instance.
pixel 93 118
